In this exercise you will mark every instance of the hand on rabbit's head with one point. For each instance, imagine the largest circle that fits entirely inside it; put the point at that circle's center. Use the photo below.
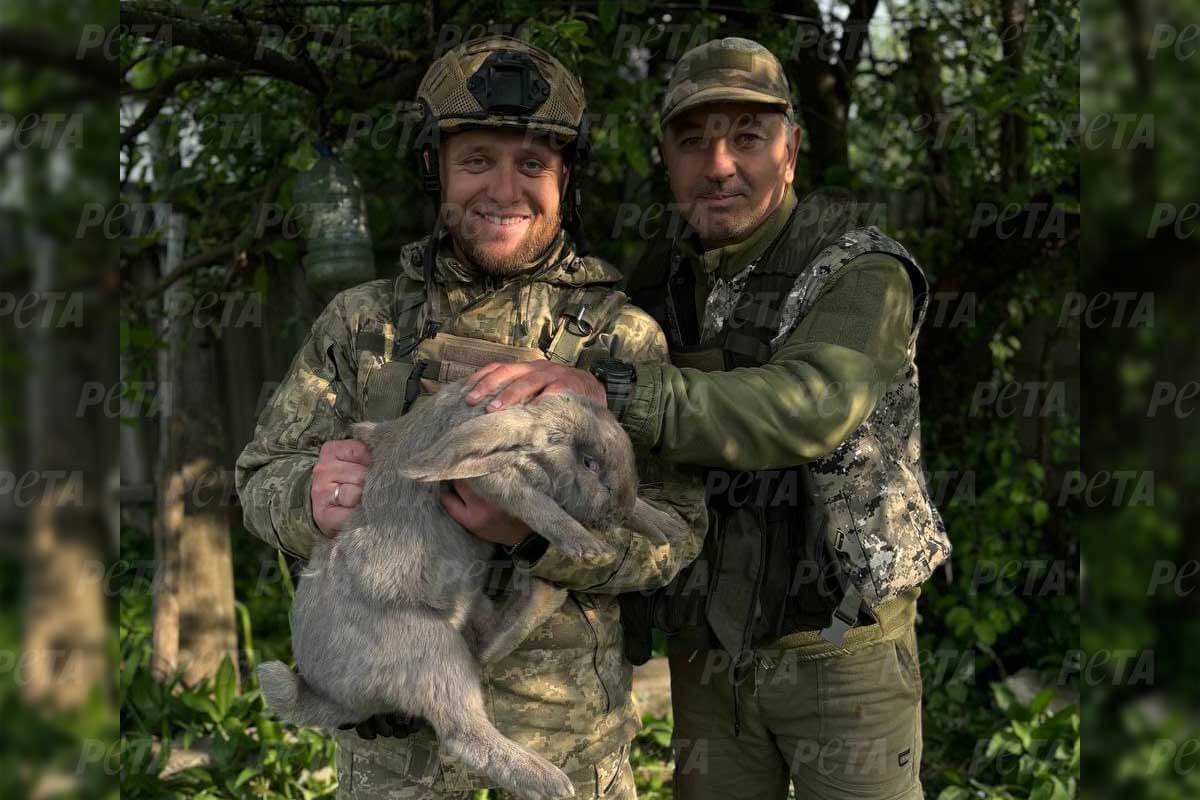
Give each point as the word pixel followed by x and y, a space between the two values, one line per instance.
pixel 561 450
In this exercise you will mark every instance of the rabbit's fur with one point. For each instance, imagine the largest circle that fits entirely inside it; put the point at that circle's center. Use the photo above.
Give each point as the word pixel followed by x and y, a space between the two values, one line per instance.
pixel 391 614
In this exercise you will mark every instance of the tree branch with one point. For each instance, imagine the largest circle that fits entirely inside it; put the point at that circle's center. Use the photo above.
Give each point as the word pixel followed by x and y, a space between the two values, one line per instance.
pixel 226 39
pixel 37 48
pixel 224 251
pixel 163 89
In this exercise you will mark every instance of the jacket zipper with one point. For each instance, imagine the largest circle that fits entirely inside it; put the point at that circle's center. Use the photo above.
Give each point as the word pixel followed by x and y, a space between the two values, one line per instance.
pixel 595 653
pixel 747 631
pixel 737 720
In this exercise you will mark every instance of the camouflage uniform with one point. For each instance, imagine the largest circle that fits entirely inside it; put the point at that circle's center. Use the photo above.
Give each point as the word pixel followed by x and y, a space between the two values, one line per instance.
pixel 565 692
pixel 793 382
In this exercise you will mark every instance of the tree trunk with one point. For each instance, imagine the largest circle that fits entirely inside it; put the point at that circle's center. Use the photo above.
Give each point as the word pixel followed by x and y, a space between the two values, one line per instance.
pixel 822 75
pixel 926 75
pixel 1014 129
pixel 64 628
pixel 1143 172
pixel 193 609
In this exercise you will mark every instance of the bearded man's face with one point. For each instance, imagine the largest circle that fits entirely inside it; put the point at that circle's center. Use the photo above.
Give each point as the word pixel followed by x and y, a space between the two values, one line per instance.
pixel 502 194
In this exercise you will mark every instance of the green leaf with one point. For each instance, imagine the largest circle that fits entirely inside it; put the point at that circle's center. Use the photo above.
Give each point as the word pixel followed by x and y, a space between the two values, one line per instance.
pixel 1003 696
pixel 954 793
pixel 302 158
pixel 245 775
pixel 608 15
pixel 198 702
pixel 287 575
pixel 226 686
pixel 1041 701
pixel 984 632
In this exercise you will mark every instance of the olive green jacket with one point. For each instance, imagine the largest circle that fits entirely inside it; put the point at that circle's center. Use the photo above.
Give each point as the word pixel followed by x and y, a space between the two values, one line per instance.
pixel 822 381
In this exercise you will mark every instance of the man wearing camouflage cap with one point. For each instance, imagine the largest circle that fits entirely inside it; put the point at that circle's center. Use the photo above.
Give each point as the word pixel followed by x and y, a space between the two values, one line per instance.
pixel 793 388
pixel 503 127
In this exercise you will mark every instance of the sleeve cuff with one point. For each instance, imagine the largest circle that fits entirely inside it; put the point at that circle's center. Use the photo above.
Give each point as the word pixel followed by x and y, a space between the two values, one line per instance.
pixel 299 530
pixel 641 416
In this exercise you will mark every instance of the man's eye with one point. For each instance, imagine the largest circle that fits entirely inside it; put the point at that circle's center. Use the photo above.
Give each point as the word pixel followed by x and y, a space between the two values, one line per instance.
pixel 689 141
pixel 478 162
pixel 748 139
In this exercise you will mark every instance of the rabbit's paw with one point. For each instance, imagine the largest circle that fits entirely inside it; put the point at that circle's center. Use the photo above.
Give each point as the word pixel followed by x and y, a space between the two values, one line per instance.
pixel 553 785
pixel 592 552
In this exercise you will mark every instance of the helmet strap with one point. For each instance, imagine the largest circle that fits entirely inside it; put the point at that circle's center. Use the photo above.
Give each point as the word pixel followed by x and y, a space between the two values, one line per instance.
pixel 428 159
pixel 572 201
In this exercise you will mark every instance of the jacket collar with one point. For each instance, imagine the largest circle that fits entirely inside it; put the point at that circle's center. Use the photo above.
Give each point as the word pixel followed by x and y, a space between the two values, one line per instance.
pixel 731 259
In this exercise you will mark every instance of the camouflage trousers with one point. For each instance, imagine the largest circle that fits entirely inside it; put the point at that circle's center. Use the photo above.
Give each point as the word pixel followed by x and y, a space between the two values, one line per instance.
pixel 841 725
pixel 410 769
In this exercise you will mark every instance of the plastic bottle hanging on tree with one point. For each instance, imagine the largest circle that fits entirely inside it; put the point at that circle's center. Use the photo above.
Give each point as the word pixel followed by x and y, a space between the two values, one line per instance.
pixel 330 201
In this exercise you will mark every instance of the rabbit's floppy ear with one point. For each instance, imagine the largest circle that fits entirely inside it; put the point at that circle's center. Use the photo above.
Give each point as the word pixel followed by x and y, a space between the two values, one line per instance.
pixel 657 526
pixel 484 444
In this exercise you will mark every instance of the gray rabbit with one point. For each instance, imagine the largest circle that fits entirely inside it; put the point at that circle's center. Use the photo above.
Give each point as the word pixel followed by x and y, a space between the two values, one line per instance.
pixel 391 615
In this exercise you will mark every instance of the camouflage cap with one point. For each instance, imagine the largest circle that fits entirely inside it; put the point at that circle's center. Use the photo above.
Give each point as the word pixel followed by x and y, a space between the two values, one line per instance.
pixel 728 70
pixel 500 82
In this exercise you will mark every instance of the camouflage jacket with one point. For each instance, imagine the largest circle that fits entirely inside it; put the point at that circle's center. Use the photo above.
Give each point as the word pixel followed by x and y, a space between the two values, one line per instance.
pixel 566 691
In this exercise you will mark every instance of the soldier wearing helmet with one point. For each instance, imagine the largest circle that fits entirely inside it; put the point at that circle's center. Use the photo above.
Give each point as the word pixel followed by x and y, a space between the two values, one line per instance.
pixel 502 278
pixel 793 386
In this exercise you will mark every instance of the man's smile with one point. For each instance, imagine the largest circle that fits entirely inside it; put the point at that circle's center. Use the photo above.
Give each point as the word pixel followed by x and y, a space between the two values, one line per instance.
pixel 503 224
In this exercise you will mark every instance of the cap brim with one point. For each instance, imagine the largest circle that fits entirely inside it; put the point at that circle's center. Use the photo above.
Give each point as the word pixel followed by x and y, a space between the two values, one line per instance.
pixel 724 94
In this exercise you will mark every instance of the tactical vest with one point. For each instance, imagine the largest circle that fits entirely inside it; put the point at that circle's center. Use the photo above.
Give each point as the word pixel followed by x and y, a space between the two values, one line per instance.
pixel 817 545
pixel 424 345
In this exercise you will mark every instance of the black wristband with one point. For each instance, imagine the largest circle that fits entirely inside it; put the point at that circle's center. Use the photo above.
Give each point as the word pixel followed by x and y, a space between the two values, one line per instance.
pixel 531 548
pixel 619 379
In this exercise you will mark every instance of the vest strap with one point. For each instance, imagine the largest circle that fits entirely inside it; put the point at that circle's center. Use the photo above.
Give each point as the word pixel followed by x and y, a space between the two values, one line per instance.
pixel 578 322
pixel 412 387
pixel 573 330
pixel 845 616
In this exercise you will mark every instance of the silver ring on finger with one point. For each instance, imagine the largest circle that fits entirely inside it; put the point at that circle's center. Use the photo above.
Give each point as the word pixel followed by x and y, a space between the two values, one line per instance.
pixel 337 490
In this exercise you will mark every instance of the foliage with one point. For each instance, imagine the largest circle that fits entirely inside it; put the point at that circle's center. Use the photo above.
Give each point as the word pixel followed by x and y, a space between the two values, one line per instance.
pixel 248 753
pixel 1035 754
pixel 1008 604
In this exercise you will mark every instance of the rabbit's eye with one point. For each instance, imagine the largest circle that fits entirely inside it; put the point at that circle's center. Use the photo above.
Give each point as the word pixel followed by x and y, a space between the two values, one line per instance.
pixel 591 462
